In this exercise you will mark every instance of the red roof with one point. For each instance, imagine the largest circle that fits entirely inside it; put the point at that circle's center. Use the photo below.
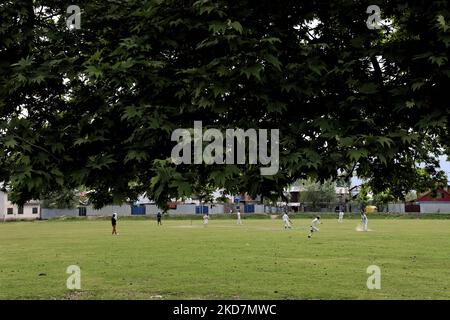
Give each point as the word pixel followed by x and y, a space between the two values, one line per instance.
pixel 439 195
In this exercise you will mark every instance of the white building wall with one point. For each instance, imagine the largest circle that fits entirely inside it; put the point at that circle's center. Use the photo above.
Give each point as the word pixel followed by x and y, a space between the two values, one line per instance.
pixel 272 210
pixel 216 209
pixel 121 210
pixel 27 209
pixel 396 207
pixel 2 205
pixel 152 209
pixel 259 208
pixel 57 213
pixel 183 209
pixel 435 207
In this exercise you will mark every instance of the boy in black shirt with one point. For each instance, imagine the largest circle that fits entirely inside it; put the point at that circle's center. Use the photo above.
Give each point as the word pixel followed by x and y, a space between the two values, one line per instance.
pixel 158 218
pixel 114 222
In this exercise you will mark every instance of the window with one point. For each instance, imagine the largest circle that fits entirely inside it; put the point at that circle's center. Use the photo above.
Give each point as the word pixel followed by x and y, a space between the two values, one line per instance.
pixel 10 211
pixel 82 211
pixel 439 195
pixel 20 210
pixel 35 210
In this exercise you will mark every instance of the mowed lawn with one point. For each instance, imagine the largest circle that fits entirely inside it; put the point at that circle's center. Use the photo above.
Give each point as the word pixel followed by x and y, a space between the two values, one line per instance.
pixel 258 260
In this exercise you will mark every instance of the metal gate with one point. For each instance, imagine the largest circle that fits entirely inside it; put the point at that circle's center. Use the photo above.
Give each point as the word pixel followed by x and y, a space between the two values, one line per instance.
pixel 412 208
pixel 137 210
pixel 82 211
pixel 249 208
pixel 198 209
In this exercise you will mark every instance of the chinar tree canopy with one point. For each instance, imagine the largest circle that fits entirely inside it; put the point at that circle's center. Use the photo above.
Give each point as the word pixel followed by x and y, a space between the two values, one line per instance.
pixel 96 105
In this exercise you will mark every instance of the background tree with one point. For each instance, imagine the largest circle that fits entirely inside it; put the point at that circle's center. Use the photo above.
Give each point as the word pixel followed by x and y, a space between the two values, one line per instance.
pixel 222 199
pixel 411 196
pixel 67 199
pixel 317 194
pixel 362 197
pixel 381 200
pixel 97 106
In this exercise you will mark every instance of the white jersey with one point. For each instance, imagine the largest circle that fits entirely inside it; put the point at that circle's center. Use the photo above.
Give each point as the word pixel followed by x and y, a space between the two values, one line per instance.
pixel 315 222
pixel 239 217
pixel 285 217
pixel 364 222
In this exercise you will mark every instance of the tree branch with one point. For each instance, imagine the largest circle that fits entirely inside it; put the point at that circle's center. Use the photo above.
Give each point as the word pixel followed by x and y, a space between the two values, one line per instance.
pixel 36 146
pixel 377 68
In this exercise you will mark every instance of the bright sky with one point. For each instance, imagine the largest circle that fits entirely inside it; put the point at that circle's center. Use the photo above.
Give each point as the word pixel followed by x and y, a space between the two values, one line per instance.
pixel 443 162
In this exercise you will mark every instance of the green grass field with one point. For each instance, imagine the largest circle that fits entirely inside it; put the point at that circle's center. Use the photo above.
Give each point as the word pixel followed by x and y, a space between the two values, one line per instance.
pixel 258 260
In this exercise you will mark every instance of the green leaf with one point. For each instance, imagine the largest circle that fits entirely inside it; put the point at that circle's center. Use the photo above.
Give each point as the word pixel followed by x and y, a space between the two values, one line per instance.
pixel 139 156
pixel 354 154
pixel 254 71
pixel 24 62
pixel 271 40
pixel 385 141
pixel 410 104
pixel 368 88
pixel 93 71
pixel 57 147
pixel 441 23
pixel 237 26
pixel 438 60
pixel 273 61
pixel 417 85
pixel 10 142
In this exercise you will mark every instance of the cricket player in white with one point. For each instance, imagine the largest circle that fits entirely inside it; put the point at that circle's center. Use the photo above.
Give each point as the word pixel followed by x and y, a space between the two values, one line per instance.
pixel 341 216
pixel 239 217
pixel 287 221
pixel 364 221
pixel 314 225
pixel 205 219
